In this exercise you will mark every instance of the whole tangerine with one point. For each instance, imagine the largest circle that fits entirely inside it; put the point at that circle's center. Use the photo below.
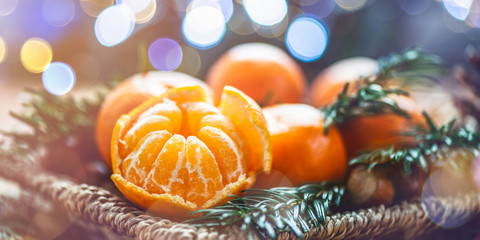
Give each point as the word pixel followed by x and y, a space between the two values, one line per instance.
pixel 330 82
pixel 301 150
pixel 366 132
pixel 262 71
pixel 128 95
pixel 369 132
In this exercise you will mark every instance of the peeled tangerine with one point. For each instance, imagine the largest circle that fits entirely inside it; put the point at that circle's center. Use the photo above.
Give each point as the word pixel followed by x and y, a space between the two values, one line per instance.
pixel 177 152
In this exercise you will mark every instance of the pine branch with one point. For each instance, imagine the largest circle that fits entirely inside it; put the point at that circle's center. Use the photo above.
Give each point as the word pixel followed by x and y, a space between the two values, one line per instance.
pixel 52 117
pixel 371 99
pixel 411 65
pixel 270 212
pixel 433 145
pixel 372 95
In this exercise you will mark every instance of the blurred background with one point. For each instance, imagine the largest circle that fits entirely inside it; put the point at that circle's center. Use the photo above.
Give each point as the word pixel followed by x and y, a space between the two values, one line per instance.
pixel 68 45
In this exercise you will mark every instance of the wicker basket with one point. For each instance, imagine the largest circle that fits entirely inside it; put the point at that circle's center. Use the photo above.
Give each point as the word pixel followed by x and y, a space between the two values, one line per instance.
pixel 103 214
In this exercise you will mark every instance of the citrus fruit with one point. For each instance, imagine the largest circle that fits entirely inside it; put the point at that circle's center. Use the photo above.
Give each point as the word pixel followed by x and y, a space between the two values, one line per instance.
pixel 262 71
pixel 177 152
pixel 129 94
pixel 301 150
pixel 369 132
pixel 331 81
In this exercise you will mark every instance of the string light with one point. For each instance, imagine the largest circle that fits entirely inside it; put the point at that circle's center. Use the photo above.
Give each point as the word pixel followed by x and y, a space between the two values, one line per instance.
pixel 144 10
pixel 306 39
pixel 351 5
pixel 203 26
pixel 36 54
pixel 114 25
pixel 7 7
pixel 3 50
pixel 165 54
pixel 94 7
pixel 58 78
pixel 459 9
pixel 58 13
pixel 266 12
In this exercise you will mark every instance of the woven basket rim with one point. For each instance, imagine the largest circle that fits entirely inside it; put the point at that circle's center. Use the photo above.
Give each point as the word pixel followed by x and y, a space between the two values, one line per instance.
pixel 109 212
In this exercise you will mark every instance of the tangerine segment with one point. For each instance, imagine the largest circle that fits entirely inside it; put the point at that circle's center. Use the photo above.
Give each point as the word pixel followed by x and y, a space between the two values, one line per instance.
pixel 140 129
pixel 140 161
pixel 168 172
pixel 247 115
pixel 204 176
pixel 226 151
pixel 194 112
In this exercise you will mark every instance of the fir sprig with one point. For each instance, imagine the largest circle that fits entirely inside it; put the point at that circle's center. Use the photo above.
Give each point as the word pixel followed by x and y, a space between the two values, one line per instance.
pixel 432 145
pixel 410 65
pixel 269 212
pixel 372 95
pixel 369 100
pixel 53 117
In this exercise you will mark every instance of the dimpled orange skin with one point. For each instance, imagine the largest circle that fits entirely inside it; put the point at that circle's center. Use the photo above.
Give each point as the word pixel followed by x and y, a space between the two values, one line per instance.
pixel 128 95
pixel 331 81
pixel 264 72
pixel 383 130
pixel 301 150
pixel 177 152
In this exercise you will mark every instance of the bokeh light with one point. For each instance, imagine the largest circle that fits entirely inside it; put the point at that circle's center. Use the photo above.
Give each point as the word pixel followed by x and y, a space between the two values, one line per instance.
pixel 241 24
pixel 7 7
pixel 165 54
pixel 144 10
pixel 3 50
pixel 274 31
pixel 225 6
pixel 306 39
pixel 459 9
pixel 191 61
pixel 94 7
pixel 266 12
pixel 454 24
pixel 58 78
pixel 443 183
pixel 203 26
pixel 36 54
pixel 306 2
pixel 414 7
pixel 114 25
pixel 473 19
pixel 58 13
pixel 351 5
pixel 319 9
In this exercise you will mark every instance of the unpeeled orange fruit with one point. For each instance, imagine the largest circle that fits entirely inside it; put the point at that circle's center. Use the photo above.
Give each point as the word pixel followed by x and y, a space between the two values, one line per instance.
pixel 331 81
pixel 262 71
pixel 366 132
pixel 301 149
pixel 131 93
pixel 177 152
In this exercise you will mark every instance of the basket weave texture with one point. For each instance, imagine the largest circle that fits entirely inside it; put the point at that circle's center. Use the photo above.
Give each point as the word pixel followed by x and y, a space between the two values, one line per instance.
pixel 101 211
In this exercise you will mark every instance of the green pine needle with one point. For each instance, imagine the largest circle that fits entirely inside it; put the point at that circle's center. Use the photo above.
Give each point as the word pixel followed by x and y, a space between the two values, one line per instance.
pixel 432 145
pixel 372 95
pixel 53 117
pixel 371 99
pixel 269 212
